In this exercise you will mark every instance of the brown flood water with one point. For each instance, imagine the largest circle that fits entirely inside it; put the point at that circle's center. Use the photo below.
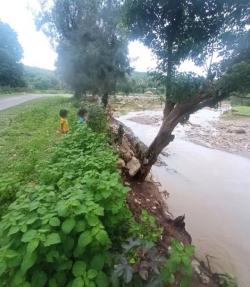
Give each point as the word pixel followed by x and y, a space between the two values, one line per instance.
pixel 212 188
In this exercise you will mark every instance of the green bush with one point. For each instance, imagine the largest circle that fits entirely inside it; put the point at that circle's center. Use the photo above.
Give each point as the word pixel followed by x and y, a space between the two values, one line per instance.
pixel 97 118
pixel 146 228
pixel 57 233
pixel 71 227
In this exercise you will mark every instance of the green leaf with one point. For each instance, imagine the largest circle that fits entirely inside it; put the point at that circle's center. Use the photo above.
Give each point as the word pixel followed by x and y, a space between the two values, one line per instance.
pixel 97 262
pixel 189 250
pixel 32 220
pixel 62 209
pixel 3 267
pixel 13 230
pixel 68 225
pixel 53 283
pixel 92 273
pixel 39 279
pixel 32 245
pixel 92 220
pixel 28 261
pixel 18 279
pixel 102 280
pixel 80 226
pixel 55 221
pixel 52 239
pixel 29 235
pixel 78 282
pixel 79 268
pixel 102 237
pixel 84 239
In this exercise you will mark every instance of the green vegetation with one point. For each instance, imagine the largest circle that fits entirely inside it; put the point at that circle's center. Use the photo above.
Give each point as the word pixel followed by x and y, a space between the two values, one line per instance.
pixel 27 133
pixel 11 71
pixel 225 280
pixel 66 226
pixel 59 228
pixel 93 54
pixel 41 79
pixel 35 80
pixel 147 229
pixel 241 111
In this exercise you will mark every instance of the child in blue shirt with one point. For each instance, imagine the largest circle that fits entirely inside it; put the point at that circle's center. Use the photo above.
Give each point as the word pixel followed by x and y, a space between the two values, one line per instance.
pixel 82 116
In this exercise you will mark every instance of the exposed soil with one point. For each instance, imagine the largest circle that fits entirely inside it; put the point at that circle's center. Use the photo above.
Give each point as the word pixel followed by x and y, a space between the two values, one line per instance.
pixel 125 104
pixel 228 134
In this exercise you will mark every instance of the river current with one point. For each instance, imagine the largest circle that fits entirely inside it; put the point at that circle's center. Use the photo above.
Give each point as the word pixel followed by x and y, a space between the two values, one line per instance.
pixel 212 188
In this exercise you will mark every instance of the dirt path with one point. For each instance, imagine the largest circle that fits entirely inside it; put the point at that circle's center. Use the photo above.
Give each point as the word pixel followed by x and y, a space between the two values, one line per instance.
pixel 8 102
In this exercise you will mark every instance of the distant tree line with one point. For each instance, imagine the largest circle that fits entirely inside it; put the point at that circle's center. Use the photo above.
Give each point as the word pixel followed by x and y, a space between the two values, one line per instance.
pixel 11 52
pixel 13 74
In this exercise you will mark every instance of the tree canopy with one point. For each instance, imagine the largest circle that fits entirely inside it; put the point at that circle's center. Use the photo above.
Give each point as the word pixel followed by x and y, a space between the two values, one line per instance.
pixel 177 30
pixel 92 49
pixel 11 70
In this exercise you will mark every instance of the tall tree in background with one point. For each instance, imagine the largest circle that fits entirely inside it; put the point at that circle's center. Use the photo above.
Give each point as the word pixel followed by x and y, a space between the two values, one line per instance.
pixel 11 70
pixel 92 50
pixel 177 30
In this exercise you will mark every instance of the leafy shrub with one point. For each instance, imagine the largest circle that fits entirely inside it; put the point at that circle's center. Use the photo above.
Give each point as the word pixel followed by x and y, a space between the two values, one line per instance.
pixel 26 136
pixel 178 264
pixel 97 118
pixel 225 280
pixel 146 228
pixel 141 264
pixel 57 233
pixel 68 229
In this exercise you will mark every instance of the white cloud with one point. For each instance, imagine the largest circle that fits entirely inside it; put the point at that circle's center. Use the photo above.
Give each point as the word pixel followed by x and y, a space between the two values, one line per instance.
pixel 38 51
pixel 36 46
pixel 141 58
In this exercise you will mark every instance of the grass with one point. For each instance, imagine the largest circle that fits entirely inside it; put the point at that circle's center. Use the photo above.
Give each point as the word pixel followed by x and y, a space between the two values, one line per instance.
pixel 27 133
pixel 241 111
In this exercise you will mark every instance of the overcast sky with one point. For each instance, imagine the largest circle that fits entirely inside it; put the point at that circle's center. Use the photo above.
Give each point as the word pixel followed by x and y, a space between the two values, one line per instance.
pixel 37 50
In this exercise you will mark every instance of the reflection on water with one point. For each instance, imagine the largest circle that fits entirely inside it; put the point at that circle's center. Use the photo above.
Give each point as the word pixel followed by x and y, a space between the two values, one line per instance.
pixel 213 189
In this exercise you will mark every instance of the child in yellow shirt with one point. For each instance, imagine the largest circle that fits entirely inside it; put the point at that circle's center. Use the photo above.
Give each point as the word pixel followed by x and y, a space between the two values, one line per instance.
pixel 64 125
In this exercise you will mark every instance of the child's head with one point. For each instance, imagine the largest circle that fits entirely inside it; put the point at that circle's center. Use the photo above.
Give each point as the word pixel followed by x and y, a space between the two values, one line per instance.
pixel 63 113
pixel 82 113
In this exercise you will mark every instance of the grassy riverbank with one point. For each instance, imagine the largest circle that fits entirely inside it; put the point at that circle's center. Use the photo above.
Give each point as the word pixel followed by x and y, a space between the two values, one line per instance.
pixel 27 133
pixel 241 111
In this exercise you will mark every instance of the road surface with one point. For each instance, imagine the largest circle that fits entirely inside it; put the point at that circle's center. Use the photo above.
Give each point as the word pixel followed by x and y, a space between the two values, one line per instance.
pixel 11 101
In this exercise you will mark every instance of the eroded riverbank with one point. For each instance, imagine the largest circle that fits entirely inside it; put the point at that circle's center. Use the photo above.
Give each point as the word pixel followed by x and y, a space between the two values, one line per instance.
pixel 208 128
pixel 212 188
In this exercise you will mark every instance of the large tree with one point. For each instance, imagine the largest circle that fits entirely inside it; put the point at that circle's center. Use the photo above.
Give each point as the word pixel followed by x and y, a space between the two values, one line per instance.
pixel 11 70
pixel 177 30
pixel 92 50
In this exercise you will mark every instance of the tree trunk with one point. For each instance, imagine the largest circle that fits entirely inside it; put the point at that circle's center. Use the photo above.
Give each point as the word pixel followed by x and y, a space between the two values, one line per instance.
pixel 169 105
pixel 164 136
pixel 105 97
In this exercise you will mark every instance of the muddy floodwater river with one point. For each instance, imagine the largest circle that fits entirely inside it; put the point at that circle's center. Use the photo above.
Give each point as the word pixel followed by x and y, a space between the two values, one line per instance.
pixel 212 188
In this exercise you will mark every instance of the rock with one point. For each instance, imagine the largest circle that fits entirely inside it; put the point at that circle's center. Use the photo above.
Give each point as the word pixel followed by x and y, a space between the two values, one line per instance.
pixel 196 266
pixel 204 278
pixel 121 163
pixel 148 177
pixel 240 131
pixel 133 166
